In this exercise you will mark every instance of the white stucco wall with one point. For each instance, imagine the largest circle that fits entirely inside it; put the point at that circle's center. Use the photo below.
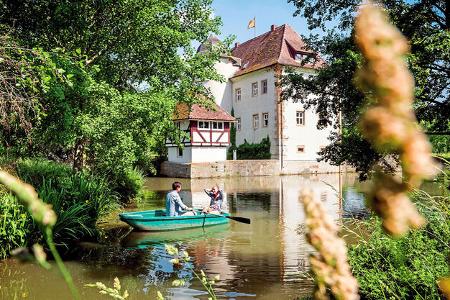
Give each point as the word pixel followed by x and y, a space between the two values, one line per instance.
pixel 208 154
pixel 172 155
pixel 293 135
pixel 302 135
pixel 248 106
pixel 197 154
pixel 222 91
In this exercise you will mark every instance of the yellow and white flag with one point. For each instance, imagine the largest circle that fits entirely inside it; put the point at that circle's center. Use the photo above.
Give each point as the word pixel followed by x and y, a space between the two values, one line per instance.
pixel 251 23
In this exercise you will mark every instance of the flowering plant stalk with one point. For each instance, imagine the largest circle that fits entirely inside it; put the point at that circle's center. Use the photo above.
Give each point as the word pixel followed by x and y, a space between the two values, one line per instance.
pixel 182 258
pixel 329 264
pixel 43 214
pixel 389 123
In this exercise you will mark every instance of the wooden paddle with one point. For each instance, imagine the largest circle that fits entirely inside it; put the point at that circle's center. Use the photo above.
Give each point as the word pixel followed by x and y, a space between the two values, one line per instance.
pixel 238 219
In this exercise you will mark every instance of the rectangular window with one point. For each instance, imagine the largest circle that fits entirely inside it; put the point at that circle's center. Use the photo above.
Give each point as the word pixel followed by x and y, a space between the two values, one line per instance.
pixel 265 117
pixel 217 125
pixel 264 86
pixel 237 94
pixel 301 149
pixel 300 117
pixel 254 89
pixel 255 121
pixel 238 124
pixel 203 124
pixel 180 152
pixel 178 124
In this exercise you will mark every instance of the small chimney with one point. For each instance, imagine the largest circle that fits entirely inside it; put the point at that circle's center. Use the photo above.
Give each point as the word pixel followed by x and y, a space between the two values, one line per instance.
pixel 272 27
pixel 236 44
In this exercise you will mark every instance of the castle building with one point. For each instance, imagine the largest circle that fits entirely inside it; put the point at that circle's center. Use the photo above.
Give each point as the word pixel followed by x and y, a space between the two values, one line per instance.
pixel 252 72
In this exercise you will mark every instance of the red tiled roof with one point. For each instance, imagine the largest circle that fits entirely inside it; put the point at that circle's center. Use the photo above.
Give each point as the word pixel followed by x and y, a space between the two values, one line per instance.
pixel 276 46
pixel 198 112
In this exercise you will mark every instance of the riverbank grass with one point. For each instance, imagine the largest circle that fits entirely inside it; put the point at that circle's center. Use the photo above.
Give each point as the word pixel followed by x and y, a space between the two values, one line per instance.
pixel 408 267
pixel 80 200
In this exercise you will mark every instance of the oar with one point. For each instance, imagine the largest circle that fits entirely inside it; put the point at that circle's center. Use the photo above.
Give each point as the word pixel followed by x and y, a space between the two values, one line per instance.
pixel 238 219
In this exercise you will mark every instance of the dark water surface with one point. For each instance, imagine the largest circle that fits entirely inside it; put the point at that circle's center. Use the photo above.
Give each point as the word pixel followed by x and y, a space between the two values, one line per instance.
pixel 264 260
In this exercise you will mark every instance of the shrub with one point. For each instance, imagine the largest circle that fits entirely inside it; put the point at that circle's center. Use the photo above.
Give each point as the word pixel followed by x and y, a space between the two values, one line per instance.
pixel 78 198
pixel 405 268
pixel 14 224
pixel 254 151
pixel 130 184
pixel 440 143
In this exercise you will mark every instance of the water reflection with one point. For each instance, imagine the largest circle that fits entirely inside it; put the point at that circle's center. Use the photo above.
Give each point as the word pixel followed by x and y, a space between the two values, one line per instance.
pixel 264 260
pixel 269 257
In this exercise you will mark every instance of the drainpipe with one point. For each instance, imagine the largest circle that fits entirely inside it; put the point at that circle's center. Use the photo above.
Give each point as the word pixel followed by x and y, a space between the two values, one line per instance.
pixel 281 133
pixel 280 118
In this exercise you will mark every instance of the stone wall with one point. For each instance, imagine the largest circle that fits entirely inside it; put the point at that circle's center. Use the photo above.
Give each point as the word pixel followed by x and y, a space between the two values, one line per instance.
pixel 244 168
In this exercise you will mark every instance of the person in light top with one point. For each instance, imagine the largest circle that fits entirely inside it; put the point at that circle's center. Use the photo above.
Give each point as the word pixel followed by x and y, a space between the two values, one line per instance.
pixel 174 204
pixel 216 200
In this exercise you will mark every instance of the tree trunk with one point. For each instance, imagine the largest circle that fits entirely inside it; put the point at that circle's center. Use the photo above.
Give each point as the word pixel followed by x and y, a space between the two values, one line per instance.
pixel 78 154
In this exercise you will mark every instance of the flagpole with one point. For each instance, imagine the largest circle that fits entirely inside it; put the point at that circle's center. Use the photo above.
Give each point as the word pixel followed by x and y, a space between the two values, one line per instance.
pixel 254 27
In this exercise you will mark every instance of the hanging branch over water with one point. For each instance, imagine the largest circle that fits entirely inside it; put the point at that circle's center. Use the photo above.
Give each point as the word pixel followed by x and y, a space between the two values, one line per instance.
pixel 17 99
pixel 390 123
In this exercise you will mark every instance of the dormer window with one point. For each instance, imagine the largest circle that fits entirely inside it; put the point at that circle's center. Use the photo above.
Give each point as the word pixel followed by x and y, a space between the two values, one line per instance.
pixel 299 57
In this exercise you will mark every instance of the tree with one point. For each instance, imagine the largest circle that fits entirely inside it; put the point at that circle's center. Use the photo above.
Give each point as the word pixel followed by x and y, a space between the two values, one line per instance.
pixel 104 77
pixel 425 23
pixel 131 41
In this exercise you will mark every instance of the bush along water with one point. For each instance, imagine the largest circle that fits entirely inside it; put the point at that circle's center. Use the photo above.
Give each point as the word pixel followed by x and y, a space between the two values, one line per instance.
pixel 408 267
pixel 79 199
pixel 252 151
pixel 15 224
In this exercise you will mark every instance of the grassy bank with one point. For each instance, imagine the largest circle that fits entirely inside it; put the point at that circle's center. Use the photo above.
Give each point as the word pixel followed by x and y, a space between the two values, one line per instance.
pixel 409 267
pixel 80 200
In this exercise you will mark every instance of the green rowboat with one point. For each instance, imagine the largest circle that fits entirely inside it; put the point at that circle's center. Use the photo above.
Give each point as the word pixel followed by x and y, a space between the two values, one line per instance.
pixel 156 220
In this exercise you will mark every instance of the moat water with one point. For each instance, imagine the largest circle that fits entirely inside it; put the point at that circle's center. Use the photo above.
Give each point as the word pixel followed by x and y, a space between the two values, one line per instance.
pixel 265 260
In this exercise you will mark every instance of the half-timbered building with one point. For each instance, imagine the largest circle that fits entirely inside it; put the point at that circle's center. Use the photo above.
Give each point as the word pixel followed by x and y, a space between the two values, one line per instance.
pixel 204 134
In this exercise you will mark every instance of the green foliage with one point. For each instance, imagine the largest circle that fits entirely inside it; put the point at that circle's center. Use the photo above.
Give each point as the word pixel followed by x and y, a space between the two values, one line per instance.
pixel 131 184
pixel 440 143
pixel 78 198
pixel 409 267
pixel 14 224
pixel 125 130
pixel 101 100
pixel 254 151
pixel 232 138
pixel 425 25
pixel 131 41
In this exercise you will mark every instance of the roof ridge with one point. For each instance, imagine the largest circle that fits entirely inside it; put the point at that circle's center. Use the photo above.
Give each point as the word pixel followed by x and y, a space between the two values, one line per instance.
pixel 281 44
pixel 267 32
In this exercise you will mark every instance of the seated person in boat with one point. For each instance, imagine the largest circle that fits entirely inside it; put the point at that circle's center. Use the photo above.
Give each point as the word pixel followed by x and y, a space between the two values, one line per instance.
pixel 174 204
pixel 216 199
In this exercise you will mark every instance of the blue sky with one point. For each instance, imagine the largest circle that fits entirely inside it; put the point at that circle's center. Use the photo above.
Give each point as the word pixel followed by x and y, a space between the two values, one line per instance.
pixel 235 15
